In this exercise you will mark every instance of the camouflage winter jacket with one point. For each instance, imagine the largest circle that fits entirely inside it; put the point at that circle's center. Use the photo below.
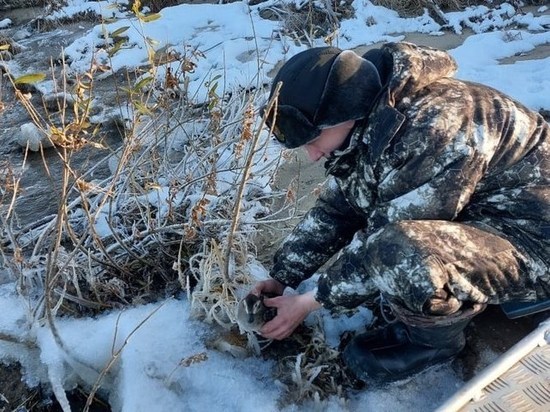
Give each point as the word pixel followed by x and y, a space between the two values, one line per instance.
pixel 434 148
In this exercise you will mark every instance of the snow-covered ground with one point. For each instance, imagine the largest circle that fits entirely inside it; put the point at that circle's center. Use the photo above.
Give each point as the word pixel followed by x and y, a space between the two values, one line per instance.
pixel 162 361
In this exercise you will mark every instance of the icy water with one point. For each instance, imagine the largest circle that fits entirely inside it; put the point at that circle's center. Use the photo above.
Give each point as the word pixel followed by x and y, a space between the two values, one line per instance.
pixel 41 172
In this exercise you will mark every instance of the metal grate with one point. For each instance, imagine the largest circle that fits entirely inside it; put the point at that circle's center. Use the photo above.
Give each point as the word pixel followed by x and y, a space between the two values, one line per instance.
pixel 519 381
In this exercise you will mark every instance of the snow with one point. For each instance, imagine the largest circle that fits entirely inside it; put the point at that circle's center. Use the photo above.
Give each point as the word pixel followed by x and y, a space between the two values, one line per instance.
pixel 158 355
pixel 154 339
pixel 4 23
pixel 527 81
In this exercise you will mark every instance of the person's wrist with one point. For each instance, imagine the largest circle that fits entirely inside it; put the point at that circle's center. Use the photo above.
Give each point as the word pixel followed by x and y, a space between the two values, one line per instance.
pixel 275 285
pixel 312 303
pixel 280 287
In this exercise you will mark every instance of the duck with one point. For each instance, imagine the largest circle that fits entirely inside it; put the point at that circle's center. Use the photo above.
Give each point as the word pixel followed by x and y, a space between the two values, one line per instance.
pixel 252 313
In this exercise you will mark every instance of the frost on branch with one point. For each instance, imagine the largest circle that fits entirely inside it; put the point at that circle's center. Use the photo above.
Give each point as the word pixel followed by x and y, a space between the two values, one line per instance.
pixel 187 192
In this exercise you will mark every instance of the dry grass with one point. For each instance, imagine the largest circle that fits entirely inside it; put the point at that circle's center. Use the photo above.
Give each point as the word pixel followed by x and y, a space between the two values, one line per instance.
pixel 188 189
pixel 315 373
pixel 308 21
pixel 179 212
pixel 153 226
pixel 416 7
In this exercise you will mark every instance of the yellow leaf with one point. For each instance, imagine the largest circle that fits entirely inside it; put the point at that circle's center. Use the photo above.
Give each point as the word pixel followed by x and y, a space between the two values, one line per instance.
pixel 119 31
pixel 151 17
pixel 30 78
pixel 151 54
pixel 96 145
pixel 4 47
pixel 143 109
pixel 152 42
pixel 136 6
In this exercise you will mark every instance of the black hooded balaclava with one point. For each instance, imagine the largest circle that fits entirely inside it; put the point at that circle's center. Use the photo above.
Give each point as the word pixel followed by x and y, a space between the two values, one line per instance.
pixel 321 87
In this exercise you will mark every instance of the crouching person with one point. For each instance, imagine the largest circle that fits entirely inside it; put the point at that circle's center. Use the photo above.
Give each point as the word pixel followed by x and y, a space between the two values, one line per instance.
pixel 438 199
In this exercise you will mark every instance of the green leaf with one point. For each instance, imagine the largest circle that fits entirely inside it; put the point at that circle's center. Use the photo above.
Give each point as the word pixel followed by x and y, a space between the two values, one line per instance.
pixel 151 17
pixel 143 109
pixel 142 83
pixel 112 51
pixel 119 31
pixel 30 78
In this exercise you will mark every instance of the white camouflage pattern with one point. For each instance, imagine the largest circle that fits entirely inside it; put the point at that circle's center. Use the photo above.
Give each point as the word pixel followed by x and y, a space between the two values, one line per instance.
pixel 445 198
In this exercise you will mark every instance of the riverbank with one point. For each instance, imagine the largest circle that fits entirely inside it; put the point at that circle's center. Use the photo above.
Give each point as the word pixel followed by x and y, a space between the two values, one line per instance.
pixel 39 197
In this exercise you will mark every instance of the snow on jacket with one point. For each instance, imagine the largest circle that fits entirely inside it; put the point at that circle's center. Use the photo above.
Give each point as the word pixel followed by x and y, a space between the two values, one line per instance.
pixel 434 148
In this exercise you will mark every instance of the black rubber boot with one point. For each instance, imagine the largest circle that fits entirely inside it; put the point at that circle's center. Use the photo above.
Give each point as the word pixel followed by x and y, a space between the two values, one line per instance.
pixel 408 346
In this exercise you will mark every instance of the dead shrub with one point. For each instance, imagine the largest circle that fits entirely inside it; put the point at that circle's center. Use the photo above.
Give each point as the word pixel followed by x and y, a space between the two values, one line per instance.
pixel 416 7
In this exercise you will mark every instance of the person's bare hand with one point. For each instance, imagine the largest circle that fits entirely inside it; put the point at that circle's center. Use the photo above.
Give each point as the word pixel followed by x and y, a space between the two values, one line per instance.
pixel 291 311
pixel 268 286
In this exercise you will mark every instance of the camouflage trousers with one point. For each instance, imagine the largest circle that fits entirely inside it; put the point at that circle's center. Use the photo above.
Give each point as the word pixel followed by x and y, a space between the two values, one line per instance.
pixel 433 267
